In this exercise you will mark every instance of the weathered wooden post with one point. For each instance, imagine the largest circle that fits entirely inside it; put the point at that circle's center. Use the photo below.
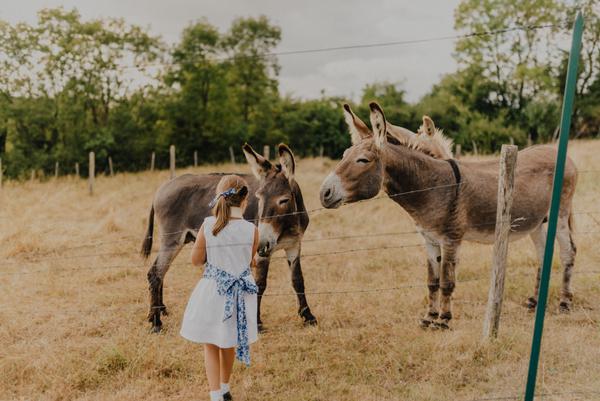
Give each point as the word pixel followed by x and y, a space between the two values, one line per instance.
pixel 91 172
pixel 195 158
pixel 77 169
pixel 55 170
pixel 110 166
pixel 1 172
pixel 457 151
pixel 512 140
pixel 32 174
pixel 529 140
pixel 172 160
pixel 152 160
pixel 475 151
pixel 231 155
pixel 321 151
pixel 506 180
pixel 266 152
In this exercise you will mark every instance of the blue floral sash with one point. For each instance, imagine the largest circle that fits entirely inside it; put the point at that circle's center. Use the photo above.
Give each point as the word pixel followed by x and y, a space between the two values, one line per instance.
pixel 233 289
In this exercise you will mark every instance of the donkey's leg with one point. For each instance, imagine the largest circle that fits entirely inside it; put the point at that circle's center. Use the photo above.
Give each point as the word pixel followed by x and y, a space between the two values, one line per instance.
pixel 293 259
pixel 568 250
pixel 538 236
pixel 167 252
pixel 447 281
pixel 261 273
pixel 434 257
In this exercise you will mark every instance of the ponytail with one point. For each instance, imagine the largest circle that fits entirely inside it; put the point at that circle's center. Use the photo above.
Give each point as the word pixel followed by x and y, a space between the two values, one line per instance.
pixel 222 212
pixel 231 191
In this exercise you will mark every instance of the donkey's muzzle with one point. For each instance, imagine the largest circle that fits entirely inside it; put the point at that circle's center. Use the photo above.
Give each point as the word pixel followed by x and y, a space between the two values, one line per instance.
pixel 264 249
pixel 331 192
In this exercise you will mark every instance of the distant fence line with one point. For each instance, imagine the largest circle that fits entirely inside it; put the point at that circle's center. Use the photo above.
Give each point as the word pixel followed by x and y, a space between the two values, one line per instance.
pixel 60 170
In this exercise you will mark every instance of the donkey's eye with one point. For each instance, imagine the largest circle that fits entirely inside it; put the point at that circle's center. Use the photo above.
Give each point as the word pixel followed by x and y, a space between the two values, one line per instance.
pixel 362 160
pixel 283 201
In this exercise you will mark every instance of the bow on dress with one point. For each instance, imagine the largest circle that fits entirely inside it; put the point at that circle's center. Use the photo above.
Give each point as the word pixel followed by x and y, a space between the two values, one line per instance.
pixel 233 289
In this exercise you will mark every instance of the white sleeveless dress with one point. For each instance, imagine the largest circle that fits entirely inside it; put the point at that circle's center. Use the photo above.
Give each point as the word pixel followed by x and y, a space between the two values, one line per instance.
pixel 230 250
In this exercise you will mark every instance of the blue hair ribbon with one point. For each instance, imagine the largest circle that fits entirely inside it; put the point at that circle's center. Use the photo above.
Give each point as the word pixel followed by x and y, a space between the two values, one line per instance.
pixel 226 194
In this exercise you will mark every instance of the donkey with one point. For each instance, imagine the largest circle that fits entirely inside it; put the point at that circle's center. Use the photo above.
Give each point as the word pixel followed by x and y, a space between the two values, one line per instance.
pixel 452 201
pixel 275 203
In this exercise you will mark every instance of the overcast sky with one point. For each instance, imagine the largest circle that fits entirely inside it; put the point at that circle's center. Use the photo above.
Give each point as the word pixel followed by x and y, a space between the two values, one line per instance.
pixel 305 25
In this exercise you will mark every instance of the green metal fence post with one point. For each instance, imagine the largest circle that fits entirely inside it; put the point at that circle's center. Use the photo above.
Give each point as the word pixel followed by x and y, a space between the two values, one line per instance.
pixel 565 124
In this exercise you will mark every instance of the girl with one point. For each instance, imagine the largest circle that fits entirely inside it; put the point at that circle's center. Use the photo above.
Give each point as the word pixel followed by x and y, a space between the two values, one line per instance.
pixel 221 312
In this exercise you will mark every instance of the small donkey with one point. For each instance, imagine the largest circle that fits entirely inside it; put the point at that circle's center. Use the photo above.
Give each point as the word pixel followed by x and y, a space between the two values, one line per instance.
pixel 452 201
pixel 274 202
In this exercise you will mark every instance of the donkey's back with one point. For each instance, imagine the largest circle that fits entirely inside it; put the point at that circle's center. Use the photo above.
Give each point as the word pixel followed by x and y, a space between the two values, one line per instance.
pixel 181 205
pixel 534 174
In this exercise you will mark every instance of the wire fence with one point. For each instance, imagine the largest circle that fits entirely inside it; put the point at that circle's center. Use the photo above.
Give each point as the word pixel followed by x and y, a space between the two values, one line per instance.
pixel 515 221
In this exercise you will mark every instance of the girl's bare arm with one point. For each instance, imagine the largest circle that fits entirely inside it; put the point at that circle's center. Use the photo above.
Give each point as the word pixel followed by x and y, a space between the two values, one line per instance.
pixel 255 247
pixel 199 248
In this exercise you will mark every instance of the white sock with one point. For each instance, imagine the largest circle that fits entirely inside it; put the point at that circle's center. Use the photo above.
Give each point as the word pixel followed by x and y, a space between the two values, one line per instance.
pixel 224 388
pixel 216 395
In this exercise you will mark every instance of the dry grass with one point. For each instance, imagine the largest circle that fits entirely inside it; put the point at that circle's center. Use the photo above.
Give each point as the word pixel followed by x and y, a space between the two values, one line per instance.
pixel 72 329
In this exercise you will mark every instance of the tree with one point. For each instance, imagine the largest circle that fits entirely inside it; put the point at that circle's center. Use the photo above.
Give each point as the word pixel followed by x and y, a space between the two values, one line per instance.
pixel 520 63
pixel 71 69
pixel 252 73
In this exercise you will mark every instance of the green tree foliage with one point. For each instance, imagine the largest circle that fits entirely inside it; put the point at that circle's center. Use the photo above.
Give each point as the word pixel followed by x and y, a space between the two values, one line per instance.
pixel 69 85
pixel 61 81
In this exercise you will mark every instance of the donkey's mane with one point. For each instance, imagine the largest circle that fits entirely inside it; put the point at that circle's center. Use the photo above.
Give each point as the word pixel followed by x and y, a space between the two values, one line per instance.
pixel 438 145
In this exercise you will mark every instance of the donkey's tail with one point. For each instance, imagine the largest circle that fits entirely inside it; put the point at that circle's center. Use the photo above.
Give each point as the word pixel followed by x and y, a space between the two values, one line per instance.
pixel 147 244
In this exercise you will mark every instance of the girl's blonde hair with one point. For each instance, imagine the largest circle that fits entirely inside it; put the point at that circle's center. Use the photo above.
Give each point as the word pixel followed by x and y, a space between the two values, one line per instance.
pixel 222 209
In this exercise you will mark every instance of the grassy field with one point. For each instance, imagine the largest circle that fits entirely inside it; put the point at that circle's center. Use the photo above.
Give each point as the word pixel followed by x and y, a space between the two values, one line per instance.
pixel 74 302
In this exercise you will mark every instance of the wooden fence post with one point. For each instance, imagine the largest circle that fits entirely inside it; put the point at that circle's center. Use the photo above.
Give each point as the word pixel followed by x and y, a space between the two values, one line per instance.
pixel 529 140
pixel 195 158
pixel 110 166
pixel 457 151
pixel 152 159
pixel 508 160
pixel 1 172
pixel 92 172
pixel 172 160
pixel 32 175
pixel 56 170
pixel 321 151
pixel 77 169
pixel 475 151
pixel 231 155
pixel 266 152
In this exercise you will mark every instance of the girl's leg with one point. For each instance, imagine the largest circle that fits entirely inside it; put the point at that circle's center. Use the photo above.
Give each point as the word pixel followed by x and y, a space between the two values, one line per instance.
pixel 227 357
pixel 212 365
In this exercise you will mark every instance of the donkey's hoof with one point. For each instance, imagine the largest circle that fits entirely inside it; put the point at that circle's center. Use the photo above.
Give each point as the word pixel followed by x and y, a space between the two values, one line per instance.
pixel 441 325
pixel 425 323
pixel 156 329
pixel 531 304
pixel 564 307
pixel 308 318
pixel 164 311
pixel 261 327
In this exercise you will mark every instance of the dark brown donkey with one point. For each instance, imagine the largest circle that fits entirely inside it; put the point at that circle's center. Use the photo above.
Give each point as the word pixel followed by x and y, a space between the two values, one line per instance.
pixel 275 203
pixel 451 201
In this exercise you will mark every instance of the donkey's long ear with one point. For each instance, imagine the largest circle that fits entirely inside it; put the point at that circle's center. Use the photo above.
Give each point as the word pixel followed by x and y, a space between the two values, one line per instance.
pixel 378 124
pixel 428 126
pixel 288 163
pixel 259 165
pixel 358 129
